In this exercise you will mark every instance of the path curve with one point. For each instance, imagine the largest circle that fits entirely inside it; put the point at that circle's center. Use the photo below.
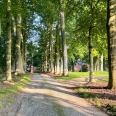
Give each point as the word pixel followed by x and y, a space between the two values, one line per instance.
pixel 46 97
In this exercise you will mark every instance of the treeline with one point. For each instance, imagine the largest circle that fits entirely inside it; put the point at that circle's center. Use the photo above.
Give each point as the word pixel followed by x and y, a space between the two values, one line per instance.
pixel 15 23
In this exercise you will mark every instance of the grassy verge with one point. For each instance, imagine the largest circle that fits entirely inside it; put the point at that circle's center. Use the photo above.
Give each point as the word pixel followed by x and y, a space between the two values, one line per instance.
pixel 89 96
pixel 95 92
pixel 73 75
pixel 9 90
pixel 100 98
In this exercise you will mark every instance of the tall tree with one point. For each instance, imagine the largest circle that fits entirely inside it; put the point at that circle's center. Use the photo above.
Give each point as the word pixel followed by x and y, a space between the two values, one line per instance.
pixel 111 33
pixel 64 45
pixel 19 38
pixel 19 61
pixel 90 55
pixel 57 47
pixel 8 42
pixel 51 48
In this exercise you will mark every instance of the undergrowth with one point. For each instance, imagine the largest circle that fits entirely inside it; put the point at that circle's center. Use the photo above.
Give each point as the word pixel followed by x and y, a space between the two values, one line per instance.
pixel 95 99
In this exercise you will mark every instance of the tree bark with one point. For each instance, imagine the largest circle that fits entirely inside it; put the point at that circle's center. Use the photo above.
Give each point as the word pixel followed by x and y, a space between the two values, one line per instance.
pixel 57 54
pixel 8 43
pixel 101 63
pixel 24 48
pixel 51 49
pixel 46 60
pixel 72 65
pixel 111 34
pixel 90 55
pixel 64 46
pixel 19 61
pixel 98 64
pixel 61 66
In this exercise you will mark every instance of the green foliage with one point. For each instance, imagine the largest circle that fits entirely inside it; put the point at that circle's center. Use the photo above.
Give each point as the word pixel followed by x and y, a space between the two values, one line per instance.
pixel 37 16
pixel 114 108
pixel 92 13
pixel 85 95
pixel 84 68
pixel 98 104
pixel 2 54
pixel 83 92
pixel 10 100
pixel 1 79
pixel 80 90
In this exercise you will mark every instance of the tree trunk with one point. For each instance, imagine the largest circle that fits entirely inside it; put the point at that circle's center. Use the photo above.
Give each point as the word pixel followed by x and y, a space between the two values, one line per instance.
pixel 14 25
pixel 72 63
pixel 101 63
pixel 64 46
pixel 46 60
pixel 97 64
pixel 44 63
pixel 42 67
pixel 111 34
pixel 19 61
pixel 57 54
pixel 61 66
pixel 57 58
pixel 24 48
pixel 8 43
pixel 14 33
pixel 51 49
pixel 90 55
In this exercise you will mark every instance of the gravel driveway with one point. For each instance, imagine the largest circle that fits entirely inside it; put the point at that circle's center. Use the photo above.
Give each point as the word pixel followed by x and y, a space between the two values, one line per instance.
pixel 46 97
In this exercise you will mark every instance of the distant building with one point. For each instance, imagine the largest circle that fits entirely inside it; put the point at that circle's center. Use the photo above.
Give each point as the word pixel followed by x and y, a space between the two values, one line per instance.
pixel 81 67
pixel 77 67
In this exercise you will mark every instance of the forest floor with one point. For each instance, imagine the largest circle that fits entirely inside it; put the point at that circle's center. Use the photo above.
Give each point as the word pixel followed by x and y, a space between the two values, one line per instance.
pixel 95 93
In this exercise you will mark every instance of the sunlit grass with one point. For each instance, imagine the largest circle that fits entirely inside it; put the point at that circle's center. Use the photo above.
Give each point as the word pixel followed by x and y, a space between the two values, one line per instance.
pixel 104 73
pixel 73 75
pixel 8 90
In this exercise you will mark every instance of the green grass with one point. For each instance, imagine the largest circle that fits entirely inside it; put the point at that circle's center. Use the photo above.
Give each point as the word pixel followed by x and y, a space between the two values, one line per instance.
pixel 8 91
pixel 73 75
pixel 85 94
pixel 104 73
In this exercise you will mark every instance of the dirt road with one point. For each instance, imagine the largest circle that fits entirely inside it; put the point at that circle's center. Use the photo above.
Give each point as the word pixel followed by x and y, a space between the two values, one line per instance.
pixel 46 97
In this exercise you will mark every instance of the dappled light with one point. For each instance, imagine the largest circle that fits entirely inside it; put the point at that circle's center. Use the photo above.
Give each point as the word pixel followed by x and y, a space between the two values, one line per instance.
pixel 69 49
pixel 45 95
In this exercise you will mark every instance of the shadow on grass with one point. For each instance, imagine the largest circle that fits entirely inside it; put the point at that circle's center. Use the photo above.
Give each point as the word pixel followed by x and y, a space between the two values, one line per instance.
pixel 96 90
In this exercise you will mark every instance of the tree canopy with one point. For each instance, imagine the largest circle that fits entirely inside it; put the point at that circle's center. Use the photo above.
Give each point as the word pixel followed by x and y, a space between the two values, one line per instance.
pixel 52 34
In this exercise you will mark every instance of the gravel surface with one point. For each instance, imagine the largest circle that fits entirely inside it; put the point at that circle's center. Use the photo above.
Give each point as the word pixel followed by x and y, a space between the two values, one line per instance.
pixel 46 97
